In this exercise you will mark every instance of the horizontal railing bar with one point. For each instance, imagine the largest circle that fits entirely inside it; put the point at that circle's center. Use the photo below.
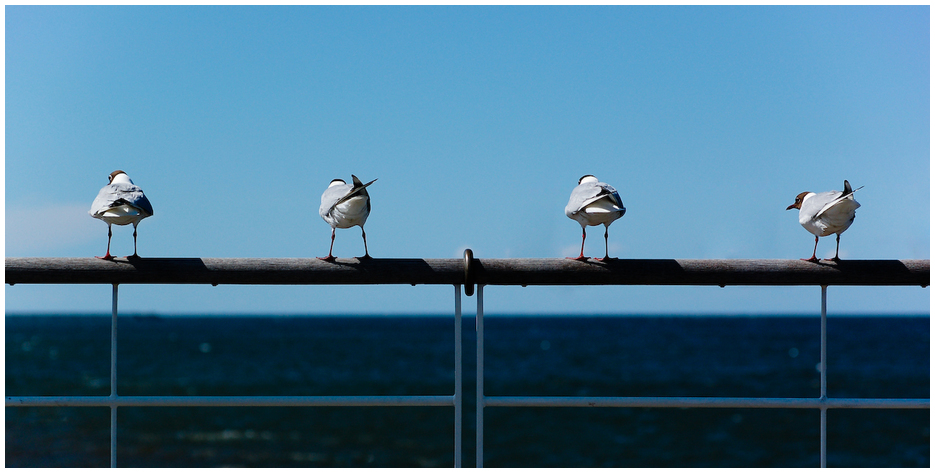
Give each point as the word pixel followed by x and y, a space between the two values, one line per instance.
pixel 226 401
pixel 509 271
pixel 703 402
pixel 489 401
pixel 232 271
pixel 721 272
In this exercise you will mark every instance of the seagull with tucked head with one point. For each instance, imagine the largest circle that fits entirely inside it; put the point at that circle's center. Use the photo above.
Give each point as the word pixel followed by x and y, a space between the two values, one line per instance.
pixel 594 203
pixel 343 206
pixel 826 213
pixel 120 203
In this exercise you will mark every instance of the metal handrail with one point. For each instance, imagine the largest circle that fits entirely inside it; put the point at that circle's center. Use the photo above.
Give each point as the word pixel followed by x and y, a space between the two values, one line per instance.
pixel 227 401
pixel 468 272
pixel 683 402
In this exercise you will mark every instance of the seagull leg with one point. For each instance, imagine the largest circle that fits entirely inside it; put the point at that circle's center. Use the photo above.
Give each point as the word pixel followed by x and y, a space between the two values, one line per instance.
pixel 134 255
pixel 813 259
pixel 606 257
pixel 329 258
pixel 109 234
pixel 837 246
pixel 581 256
pixel 366 252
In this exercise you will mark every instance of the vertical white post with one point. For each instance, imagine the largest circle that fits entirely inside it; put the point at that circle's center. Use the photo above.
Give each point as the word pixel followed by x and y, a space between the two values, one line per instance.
pixel 824 376
pixel 458 376
pixel 113 380
pixel 480 376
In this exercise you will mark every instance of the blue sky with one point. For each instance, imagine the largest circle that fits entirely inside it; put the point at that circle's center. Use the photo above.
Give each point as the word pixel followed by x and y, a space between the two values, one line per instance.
pixel 478 122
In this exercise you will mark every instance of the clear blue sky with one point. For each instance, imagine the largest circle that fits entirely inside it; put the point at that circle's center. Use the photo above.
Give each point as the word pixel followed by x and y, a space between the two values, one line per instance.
pixel 478 122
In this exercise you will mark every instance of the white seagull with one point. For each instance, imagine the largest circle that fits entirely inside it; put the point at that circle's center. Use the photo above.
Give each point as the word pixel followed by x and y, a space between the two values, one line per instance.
pixel 826 213
pixel 594 203
pixel 344 206
pixel 120 203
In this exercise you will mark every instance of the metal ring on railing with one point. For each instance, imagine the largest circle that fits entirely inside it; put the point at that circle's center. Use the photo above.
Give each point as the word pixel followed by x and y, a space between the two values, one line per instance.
pixel 468 273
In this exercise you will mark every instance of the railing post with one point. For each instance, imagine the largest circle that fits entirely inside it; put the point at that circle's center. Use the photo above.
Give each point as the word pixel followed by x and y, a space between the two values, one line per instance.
pixel 824 376
pixel 480 376
pixel 113 380
pixel 458 376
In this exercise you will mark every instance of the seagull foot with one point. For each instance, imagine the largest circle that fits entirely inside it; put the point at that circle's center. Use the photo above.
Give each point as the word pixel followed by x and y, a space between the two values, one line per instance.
pixel 579 258
pixel 107 257
pixel 365 258
pixel 835 259
pixel 811 260
pixel 606 258
pixel 133 256
pixel 328 258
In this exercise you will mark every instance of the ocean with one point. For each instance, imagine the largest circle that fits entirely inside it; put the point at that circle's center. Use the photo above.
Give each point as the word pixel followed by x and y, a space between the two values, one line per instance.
pixel 733 356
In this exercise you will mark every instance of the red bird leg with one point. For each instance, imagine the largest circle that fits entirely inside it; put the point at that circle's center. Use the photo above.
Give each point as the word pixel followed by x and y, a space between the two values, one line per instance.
pixel 581 256
pixel 813 259
pixel 329 258
pixel 109 234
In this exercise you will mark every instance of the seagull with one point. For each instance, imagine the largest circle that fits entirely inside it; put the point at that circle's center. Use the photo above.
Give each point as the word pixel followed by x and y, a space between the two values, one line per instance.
pixel 593 203
pixel 826 213
pixel 344 206
pixel 120 203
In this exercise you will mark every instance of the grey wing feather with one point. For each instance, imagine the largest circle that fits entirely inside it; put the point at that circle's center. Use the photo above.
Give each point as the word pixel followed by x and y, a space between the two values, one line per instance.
pixel 830 201
pixel 840 196
pixel 332 197
pixel 614 195
pixel 582 196
pixel 113 195
pixel 357 189
pixel 102 201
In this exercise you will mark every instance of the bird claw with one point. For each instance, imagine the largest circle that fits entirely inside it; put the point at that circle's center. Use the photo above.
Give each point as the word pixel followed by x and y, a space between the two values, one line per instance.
pixel 811 260
pixel 365 258
pixel 328 258
pixel 579 258
pixel 606 258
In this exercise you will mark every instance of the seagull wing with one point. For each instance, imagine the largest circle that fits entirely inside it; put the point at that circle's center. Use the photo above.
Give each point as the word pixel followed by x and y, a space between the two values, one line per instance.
pixel 613 195
pixel 115 195
pixel 586 194
pixel 357 189
pixel 581 195
pixel 836 199
pixel 818 203
pixel 330 198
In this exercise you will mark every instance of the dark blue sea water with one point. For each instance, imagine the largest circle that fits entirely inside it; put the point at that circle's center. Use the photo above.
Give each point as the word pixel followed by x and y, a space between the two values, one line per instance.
pixel 877 357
